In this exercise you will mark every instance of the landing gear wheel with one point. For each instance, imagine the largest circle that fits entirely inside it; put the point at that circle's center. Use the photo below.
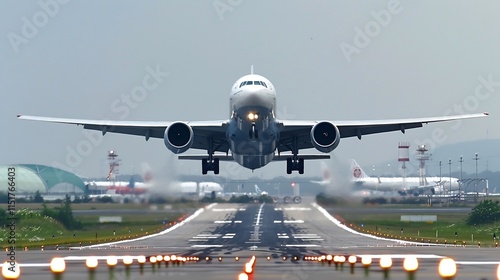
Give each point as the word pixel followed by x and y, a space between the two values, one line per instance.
pixel 204 166
pixel 216 166
pixel 289 166
pixel 294 164
pixel 301 166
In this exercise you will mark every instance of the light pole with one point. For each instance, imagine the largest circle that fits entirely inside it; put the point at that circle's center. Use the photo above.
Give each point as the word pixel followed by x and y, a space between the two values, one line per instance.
pixel 449 163
pixel 475 186
pixel 440 179
pixel 460 183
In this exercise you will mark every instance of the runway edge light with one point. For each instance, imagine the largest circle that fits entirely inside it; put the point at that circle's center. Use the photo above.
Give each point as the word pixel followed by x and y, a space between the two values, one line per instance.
pixel 447 268
pixel 57 265
pixel 10 271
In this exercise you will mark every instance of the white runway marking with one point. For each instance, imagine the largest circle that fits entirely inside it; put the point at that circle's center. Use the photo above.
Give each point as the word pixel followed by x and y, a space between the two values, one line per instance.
pixel 255 235
pixel 206 246
pixel 293 221
pixel 188 219
pixel 342 226
pixel 227 209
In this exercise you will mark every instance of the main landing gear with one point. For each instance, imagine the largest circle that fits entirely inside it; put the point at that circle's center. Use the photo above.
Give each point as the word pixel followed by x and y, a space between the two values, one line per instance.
pixel 294 164
pixel 210 165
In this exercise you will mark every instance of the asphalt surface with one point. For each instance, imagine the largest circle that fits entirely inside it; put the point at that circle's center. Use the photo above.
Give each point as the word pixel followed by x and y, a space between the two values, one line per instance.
pixel 279 232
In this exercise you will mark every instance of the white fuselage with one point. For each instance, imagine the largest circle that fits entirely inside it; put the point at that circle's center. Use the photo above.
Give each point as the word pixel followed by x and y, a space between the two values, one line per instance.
pixel 386 184
pixel 252 133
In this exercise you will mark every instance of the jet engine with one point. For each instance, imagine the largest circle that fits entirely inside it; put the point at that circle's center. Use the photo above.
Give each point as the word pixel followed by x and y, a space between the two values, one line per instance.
pixel 325 136
pixel 178 137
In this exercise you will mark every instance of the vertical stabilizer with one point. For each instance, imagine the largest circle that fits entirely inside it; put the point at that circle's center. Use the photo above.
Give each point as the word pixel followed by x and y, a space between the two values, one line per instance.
pixel 356 172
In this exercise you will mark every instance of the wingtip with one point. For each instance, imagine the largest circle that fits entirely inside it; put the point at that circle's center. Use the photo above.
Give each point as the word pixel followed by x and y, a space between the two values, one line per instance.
pixel 486 113
pixel 19 115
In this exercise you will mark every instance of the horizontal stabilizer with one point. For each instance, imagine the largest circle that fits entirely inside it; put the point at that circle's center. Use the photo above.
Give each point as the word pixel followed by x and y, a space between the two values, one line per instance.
pixel 200 157
pixel 276 158
pixel 305 157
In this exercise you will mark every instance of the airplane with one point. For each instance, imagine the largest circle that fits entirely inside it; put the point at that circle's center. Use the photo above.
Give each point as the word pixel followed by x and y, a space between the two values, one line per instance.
pixel 253 136
pixel 400 184
pixel 258 191
pixel 154 187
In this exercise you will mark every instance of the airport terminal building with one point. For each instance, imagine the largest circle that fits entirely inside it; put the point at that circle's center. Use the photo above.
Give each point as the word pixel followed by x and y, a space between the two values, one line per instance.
pixel 30 178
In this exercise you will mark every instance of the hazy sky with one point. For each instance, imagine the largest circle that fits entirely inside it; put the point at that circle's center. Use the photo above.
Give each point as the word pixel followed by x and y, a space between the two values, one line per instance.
pixel 332 60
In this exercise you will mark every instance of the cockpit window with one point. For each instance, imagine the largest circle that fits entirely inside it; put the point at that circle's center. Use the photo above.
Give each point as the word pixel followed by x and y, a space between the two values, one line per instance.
pixel 258 83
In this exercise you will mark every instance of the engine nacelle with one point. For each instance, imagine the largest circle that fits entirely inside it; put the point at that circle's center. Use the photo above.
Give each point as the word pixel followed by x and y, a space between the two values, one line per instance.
pixel 325 136
pixel 178 137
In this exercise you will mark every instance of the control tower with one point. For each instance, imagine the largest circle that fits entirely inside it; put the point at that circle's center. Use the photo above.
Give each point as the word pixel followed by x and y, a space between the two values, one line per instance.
pixel 422 156
pixel 114 164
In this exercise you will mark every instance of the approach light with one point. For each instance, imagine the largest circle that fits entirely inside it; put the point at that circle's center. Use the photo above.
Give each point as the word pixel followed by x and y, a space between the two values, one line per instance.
pixel 152 260
pixel 57 265
pixel 366 260
pixel 128 260
pixel 243 276
pixel 410 264
pixel 159 258
pixel 352 259
pixel 385 262
pixel 447 268
pixel 91 263
pixel 111 261
pixel 248 268
pixel 141 259
pixel 341 259
pixel 11 271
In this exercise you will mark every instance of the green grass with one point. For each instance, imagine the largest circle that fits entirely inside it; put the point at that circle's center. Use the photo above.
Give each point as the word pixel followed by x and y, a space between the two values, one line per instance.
pixel 35 231
pixel 389 225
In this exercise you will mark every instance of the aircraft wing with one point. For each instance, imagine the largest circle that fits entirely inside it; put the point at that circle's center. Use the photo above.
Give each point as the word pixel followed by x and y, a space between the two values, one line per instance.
pixel 151 129
pixel 300 130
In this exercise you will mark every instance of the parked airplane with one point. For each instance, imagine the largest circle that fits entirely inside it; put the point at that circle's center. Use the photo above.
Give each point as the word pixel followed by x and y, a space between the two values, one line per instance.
pixel 400 184
pixel 253 135
pixel 151 186
pixel 258 191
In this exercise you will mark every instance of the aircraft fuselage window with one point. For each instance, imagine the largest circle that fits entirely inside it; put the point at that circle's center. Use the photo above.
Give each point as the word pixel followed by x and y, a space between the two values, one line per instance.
pixel 249 83
pixel 256 83
pixel 264 84
pixel 242 84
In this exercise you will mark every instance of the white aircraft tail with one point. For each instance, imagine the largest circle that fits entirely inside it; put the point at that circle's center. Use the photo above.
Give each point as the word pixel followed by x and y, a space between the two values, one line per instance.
pixel 257 190
pixel 147 174
pixel 356 172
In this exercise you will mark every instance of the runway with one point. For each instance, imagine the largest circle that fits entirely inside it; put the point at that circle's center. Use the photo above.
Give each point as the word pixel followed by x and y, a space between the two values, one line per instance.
pixel 279 236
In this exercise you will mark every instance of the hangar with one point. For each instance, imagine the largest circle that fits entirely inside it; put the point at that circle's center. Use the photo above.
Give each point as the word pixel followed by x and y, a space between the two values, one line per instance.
pixel 30 178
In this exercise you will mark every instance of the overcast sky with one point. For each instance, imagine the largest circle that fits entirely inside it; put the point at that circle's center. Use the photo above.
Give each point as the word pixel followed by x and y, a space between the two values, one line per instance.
pixel 329 60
